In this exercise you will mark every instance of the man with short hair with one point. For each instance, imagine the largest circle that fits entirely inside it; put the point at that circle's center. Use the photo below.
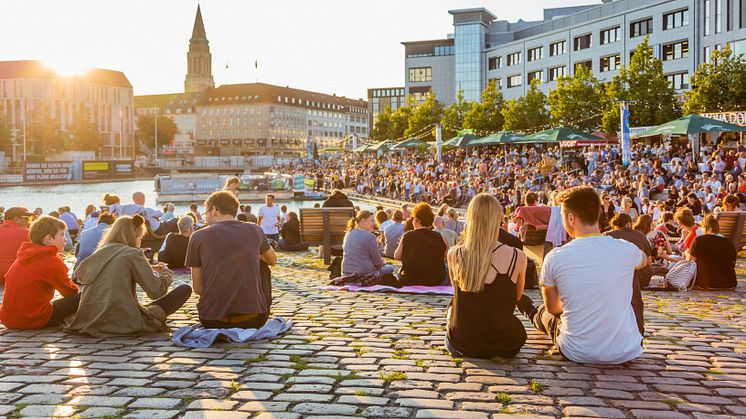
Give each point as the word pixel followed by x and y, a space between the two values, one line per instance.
pixel 587 288
pixel 229 261
pixel 152 216
pixel 13 232
pixel 270 218
pixel 174 249
pixel 70 220
pixel 450 236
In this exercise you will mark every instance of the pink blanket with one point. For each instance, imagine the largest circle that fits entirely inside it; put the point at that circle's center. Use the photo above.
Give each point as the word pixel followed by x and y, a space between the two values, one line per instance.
pixel 412 289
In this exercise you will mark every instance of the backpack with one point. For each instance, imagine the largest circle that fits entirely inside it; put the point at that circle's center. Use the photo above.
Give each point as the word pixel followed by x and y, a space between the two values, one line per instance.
pixel 682 275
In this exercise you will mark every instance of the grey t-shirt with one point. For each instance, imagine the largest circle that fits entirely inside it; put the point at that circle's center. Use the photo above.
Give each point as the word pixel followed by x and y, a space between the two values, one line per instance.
pixel 228 253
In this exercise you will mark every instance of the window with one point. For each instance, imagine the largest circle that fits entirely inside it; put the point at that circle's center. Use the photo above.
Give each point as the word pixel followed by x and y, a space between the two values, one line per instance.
pixel 706 6
pixel 585 64
pixel 498 83
pixel 679 81
pixel 514 58
pixel 612 62
pixel 535 75
pixel 675 50
pixel 718 16
pixel 641 27
pixel 444 50
pixel 495 63
pixel 557 48
pixel 514 81
pixel 536 53
pixel 675 19
pixel 582 42
pixel 610 35
pixel 708 54
pixel 557 72
pixel 420 74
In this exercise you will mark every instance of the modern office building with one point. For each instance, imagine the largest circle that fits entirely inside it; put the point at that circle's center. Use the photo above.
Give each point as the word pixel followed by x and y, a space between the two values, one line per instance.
pixel 602 37
pixel 31 91
pixel 380 98
pixel 252 119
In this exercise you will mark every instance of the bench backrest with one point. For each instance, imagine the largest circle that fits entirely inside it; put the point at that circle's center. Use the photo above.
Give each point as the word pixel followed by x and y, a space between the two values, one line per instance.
pixel 733 227
pixel 312 224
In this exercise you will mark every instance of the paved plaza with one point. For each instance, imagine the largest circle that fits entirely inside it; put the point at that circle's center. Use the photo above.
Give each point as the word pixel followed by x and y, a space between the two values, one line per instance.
pixel 380 355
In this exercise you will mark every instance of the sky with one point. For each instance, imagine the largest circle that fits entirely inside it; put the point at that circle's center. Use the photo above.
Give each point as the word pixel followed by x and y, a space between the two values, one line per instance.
pixel 330 46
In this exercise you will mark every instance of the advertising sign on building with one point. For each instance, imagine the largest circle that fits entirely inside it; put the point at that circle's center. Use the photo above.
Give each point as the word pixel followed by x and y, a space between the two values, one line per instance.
pixel 96 169
pixel 47 171
pixel 123 169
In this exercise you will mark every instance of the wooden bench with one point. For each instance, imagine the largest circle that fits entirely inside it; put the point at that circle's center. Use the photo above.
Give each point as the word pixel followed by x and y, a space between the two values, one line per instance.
pixel 324 226
pixel 733 227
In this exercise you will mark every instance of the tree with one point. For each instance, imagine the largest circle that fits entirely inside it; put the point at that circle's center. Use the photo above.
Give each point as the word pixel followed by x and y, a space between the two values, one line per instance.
pixel 644 84
pixel 400 119
pixel 487 115
pixel 454 115
pixel 577 101
pixel 145 133
pixel 528 112
pixel 84 131
pixel 429 112
pixel 384 125
pixel 718 86
pixel 43 134
pixel 6 138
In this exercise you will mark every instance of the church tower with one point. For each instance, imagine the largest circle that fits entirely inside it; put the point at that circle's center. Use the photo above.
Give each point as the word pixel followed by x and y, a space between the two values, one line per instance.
pixel 199 59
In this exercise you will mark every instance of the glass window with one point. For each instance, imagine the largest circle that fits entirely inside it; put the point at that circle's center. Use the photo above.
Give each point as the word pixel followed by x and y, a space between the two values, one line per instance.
pixel 498 83
pixel 675 50
pixel 557 72
pixel 514 58
pixel 535 75
pixel 610 35
pixel 494 63
pixel 586 64
pixel 706 7
pixel 718 16
pixel 535 53
pixel 641 27
pixel 679 81
pixel 469 42
pixel 557 48
pixel 514 81
pixel 610 63
pixel 582 42
pixel 675 19
pixel 420 74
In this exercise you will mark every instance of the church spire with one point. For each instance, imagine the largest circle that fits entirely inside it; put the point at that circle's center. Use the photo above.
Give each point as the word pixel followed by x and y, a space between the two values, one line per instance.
pixel 199 59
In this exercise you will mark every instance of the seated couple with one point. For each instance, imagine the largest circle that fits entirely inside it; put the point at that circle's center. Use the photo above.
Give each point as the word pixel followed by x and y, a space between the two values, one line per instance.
pixel 421 250
pixel 108 304
pixel 587 288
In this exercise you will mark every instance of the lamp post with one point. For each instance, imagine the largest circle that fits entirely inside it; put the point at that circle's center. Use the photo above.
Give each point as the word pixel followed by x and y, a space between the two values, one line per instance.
pixel 155 118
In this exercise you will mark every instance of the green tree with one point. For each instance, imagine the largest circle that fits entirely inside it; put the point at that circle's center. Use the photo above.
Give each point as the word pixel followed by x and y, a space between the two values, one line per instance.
pixel 653 100
pixel 84 131
pixel 383 126
pixel 718 86
pixel 528 112
pixel 454 115
pixel 429 112
pixel 145 133
pixel 6 137
pixel 487 115
pixel 578 101
pixel 43 134
pixel 400 119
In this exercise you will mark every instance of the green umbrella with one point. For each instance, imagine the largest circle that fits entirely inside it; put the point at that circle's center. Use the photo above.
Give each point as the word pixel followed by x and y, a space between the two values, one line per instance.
pixel 501 137
pixel 691 124
pixel 382 146
pixel 461 140
pixel 362 148
pixel 557 135
pixel 410 143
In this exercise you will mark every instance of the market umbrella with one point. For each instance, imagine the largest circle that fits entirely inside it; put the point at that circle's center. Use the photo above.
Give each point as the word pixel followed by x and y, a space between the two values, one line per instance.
pixel 558 135
pixel 500 137
pixel 461 140
pixel 362 148
pixel 382 146
pixel 691 124
pixel 410 143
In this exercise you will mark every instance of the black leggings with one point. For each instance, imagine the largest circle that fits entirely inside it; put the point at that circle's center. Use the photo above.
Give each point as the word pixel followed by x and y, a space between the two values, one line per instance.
pixel 254 323
pixel 174 300
pixel 62 308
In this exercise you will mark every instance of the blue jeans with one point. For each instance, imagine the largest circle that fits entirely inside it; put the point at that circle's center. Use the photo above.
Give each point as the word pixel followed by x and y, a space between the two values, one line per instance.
pixel 385 269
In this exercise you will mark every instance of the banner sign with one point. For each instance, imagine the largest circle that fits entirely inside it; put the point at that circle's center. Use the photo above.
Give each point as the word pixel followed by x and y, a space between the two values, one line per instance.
pixel 96 169
pixel 737 118
pixel 187 186
pixel 11 178
pixel 626 146
pixel 123 169
pixel 47 171
pixel 299 183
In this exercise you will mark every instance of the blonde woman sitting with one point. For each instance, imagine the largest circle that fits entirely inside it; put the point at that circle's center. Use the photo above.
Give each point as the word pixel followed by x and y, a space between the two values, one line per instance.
pixel 488 279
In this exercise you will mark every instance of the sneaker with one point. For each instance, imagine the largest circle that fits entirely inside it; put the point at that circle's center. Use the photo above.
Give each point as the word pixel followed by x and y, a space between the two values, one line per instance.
pixel 526 306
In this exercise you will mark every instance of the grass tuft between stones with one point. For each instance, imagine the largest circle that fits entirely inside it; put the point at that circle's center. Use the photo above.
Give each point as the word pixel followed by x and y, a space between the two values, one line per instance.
pixel 503 398
pixel 535 386
pixel 392 376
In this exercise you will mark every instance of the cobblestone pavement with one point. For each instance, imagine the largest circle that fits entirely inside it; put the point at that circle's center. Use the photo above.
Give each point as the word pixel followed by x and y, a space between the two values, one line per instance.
pixel 379 355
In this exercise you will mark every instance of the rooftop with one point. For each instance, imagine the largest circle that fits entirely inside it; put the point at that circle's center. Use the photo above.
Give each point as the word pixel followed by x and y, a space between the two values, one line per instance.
pixel 34 69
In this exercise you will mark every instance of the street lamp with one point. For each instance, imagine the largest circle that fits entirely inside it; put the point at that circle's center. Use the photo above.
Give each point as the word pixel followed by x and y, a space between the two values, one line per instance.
pixel 155 118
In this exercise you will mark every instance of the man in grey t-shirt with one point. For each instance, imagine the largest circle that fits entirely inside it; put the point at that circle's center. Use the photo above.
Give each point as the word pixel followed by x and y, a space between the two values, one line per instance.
pixel 230 263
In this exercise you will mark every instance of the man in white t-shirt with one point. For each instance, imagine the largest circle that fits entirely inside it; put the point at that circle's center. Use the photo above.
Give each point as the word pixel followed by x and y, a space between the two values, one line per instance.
pixel 270 218
pixel 587 288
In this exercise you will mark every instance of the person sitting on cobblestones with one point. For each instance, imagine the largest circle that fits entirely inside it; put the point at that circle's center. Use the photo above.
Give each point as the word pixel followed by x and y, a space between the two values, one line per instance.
pixel 13 232
pixel 422 251
pixel 488 278
pixel 689 228
pixel 291 240
pixel 360 250
pixel 109 305
pixel 33 278
pixel 587 288
pixel 89 239
pixel 173 252
pixel 230 262
pixel 715 257
pixel 392 234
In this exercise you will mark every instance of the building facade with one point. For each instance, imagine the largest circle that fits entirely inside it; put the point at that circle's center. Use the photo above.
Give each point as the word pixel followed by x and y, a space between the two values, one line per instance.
pixel 382 97
pixel 199 59
pixel 30 92
pixel 602 37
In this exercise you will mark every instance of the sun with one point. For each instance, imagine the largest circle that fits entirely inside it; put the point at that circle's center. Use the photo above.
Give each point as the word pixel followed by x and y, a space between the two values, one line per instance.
pixel 67 67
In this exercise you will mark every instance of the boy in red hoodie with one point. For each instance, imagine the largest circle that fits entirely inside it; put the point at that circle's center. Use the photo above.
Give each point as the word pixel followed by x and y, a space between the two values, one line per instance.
pixel 34 276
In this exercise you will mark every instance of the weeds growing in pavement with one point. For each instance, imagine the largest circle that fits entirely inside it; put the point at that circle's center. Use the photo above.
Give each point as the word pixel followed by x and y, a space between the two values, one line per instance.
pixel 535 386
pixel 298 363
pixel 344 377
pixel 234 386
pixel 503 398
pixel 259 358
pixel 672 402
pixel 392 376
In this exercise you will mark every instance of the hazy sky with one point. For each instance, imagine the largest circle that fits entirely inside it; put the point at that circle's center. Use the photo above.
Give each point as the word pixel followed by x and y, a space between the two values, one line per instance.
pixel 331 46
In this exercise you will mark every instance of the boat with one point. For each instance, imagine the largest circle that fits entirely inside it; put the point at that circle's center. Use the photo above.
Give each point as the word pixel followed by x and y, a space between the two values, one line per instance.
pixel 196 187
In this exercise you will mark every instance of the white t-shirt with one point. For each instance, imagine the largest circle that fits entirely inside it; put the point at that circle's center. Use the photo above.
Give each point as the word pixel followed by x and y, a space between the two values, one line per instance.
pixel 269 219
pixel 594 278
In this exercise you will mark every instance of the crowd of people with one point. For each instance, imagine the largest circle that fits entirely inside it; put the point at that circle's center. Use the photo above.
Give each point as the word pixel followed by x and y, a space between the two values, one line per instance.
pixel 616 227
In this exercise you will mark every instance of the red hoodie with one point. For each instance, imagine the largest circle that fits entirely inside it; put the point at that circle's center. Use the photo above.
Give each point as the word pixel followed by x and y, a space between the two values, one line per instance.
pixel 11 237
pixel 29 287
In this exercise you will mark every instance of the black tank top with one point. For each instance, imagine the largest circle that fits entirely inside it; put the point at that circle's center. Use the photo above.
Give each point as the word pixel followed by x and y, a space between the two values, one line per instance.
pixel 483 324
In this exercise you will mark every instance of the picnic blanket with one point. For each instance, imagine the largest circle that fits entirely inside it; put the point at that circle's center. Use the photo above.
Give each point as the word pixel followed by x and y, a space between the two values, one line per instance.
pixel 410 289
pixel 196 336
